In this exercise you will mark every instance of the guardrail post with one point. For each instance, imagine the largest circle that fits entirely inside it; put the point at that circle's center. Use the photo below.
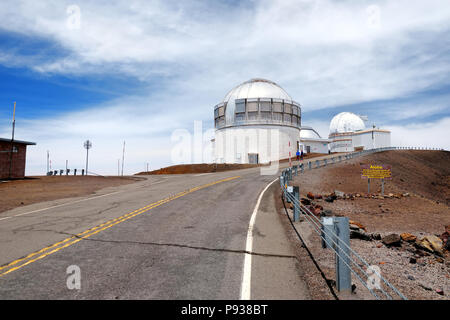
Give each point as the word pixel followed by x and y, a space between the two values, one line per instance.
pixel 302 168
pixel 74 172
pixel 343 273
pixel 325 162
pixel 289 189
pixel 296 206
pixel 317 163
pixel 336 233
pixel 309 165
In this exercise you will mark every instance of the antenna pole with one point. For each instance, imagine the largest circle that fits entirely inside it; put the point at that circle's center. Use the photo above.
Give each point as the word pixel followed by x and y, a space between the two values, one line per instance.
pixel 12 141
pixel 123 155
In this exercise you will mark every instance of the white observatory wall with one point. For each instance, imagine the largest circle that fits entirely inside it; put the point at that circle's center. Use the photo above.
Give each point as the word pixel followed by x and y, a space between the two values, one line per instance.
pixel 271 143
pixel 380 140
pixel 315 146
pixel 342 146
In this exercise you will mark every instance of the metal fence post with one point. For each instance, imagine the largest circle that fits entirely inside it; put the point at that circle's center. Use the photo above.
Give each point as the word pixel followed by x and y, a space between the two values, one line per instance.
pixel 296 207
pixel 302 167
pixel 343 273
pixel 317 163
pixel 309 165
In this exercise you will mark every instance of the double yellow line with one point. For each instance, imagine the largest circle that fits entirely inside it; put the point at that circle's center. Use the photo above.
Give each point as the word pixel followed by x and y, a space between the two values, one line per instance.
pixel 38 255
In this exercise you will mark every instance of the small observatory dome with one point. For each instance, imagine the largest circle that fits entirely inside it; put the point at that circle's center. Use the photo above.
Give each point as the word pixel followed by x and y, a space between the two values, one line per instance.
pixel 346 122
pixel 257 101
pixel 309 133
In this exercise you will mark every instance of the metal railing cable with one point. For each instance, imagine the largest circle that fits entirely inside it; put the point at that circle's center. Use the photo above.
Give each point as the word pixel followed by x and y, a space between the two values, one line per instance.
pixel 313 217
pixel 317 225
pixel 318 231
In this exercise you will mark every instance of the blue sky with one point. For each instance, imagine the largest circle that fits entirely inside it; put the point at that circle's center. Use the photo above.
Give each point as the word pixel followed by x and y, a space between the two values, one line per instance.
pixel 140 70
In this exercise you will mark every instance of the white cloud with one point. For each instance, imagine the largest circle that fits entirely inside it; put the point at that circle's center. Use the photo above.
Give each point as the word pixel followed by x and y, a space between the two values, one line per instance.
pixel 324 53
pixel 431 134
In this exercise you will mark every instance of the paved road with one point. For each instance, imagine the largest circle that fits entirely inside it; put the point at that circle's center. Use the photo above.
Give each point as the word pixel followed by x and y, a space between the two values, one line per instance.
pixel 167 237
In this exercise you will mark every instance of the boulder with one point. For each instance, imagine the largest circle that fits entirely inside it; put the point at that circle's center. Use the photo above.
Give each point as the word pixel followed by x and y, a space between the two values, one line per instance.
pixel 375 236
pixel 326 213
pixel 339 193
pixel 391 240
pixel 316 211
pixel 310 195
pixel 408 237
pixel 305 201
pixel 318 206
pixel 432 243
pixel 445 237
pixel 360 234
pixel 329 199
pixel 358 224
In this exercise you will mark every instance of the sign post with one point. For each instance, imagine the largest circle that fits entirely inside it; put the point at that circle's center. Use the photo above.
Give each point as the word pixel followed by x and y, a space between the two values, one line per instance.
pixel 373 171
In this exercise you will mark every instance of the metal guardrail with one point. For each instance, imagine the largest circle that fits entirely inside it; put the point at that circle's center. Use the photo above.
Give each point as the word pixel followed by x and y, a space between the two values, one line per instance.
pixel 347 260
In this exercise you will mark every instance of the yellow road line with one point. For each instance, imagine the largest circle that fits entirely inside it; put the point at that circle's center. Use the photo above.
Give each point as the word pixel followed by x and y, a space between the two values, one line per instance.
pixel 106 225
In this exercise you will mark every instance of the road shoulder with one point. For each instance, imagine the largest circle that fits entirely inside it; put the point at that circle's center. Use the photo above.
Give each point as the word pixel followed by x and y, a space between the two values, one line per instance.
pixel 276 271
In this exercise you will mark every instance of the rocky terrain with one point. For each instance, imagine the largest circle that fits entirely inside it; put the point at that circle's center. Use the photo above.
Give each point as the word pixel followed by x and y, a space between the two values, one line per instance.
pixel 405 231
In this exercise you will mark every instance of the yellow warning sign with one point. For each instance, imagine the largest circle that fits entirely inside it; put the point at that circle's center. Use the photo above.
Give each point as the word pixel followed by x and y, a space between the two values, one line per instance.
pixel 373 171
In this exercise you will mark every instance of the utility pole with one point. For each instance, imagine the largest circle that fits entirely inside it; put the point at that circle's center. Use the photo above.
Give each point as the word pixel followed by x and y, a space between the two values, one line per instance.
pixel 123 155
pixel 12 141
pixel 87 146
pixel 118 167
pixel 48 161
pixel 66 164
pixel 147 166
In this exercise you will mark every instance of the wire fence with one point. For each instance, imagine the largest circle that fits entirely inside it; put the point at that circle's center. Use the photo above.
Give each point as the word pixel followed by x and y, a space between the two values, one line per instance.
pixel 367 274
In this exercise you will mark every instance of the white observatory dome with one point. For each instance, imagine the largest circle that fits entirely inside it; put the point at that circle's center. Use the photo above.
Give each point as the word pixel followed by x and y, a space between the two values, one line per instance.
pixel 257 88
pixel 309 133
pixel 257 102
pixel 346 122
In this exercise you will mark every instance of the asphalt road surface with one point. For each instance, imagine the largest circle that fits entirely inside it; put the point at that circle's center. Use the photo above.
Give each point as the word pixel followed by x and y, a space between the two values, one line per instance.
pixel 167 237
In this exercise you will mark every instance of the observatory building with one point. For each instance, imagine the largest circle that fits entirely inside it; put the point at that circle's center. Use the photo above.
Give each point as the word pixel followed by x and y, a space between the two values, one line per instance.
pixel 312 142
pixel 349 133
pixel 258 122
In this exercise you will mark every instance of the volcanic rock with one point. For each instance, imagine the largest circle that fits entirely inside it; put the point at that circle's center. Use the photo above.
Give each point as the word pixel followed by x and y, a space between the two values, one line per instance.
pixel 392 240
pixel 408 237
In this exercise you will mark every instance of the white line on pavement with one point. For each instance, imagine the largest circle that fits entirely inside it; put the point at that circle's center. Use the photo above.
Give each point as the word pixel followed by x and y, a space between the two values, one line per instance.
pixel 247 273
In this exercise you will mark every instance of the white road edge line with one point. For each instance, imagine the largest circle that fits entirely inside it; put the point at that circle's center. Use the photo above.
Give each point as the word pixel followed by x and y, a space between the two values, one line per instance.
pixel 247 273
pixel 60 205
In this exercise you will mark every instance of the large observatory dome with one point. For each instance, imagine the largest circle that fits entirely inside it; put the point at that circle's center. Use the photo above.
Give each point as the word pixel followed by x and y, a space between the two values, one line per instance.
pixel 257 88
pixel 257 101
pixel 345 122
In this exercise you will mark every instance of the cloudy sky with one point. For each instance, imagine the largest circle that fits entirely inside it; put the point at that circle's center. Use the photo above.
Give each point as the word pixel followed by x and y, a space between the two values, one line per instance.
pixel 139 71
